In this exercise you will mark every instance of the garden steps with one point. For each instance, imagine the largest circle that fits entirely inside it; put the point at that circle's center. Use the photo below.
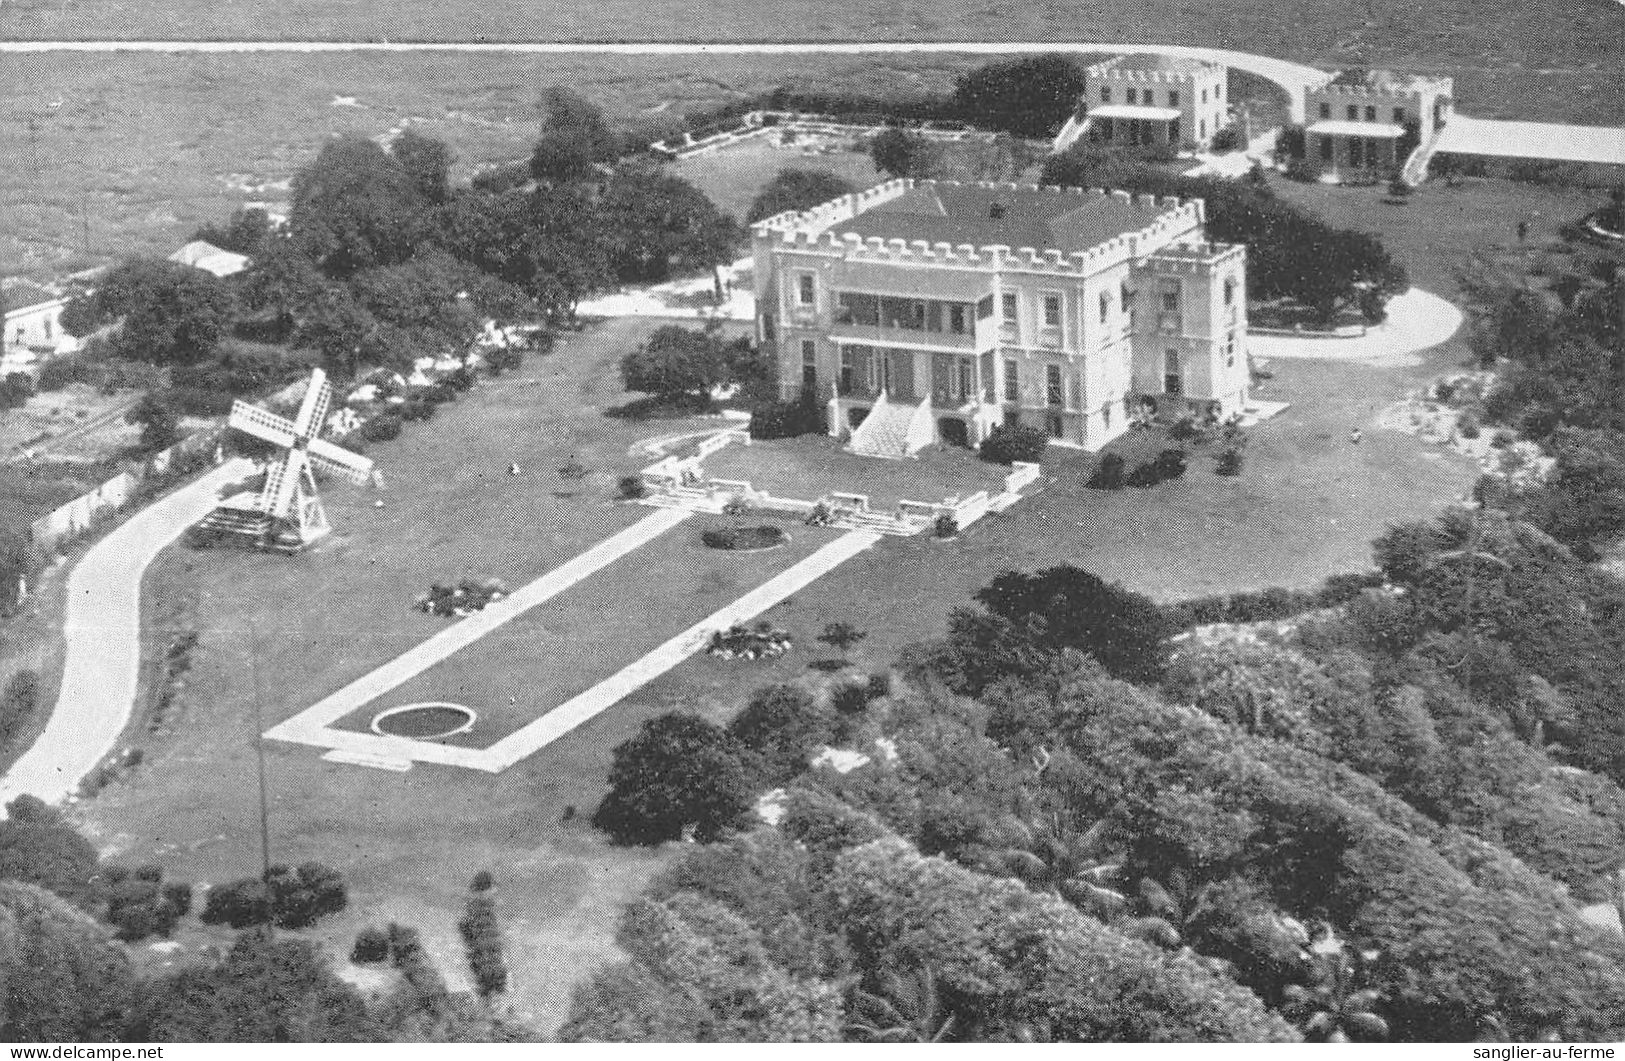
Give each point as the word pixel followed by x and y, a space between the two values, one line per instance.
pixel 884 433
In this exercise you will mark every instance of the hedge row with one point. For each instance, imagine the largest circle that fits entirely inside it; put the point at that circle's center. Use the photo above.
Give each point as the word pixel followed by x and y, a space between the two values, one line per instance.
pixel 1268 604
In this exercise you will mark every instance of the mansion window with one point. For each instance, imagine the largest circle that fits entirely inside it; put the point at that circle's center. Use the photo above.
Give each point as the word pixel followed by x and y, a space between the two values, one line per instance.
pixel 1353 113
pixel 1172 383
pixel 804 289
pixel 1052 385
pixel 1052 311
pixel 1128 301
pixel 1371 114
pixel 1229 291
pixel 1173 99
pixel 1399 115
pixel 809 363
pixel 1057 426
pixel 1230 351
pixel 1204 95
pixel 1105 94
pixel 849 370
pixel 1133 95
pixel 1009 306
pixel 956 318
pixel 1326 148
pixel 767 327
pixel 1105 305
pixel 1325 111
pixel 1169 292
pixel 984 308
pixel 966 380
pixel 1012 381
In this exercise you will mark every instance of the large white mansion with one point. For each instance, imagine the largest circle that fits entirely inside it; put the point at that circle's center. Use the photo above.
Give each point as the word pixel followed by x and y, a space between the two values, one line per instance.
pixel 929 311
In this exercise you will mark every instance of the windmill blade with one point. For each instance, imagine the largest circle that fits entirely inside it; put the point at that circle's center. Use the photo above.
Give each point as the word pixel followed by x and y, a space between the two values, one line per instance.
pixel 336 460
pixel 280 483
pixel 261 423
pixel 309 421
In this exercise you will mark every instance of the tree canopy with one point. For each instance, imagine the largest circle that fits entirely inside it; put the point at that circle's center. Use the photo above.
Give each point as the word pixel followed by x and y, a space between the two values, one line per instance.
pixel 356 207
pixel 797 189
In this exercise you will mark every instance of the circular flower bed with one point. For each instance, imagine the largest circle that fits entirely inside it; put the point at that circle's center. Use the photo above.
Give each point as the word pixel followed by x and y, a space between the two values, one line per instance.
pixel 745 539
pixel 424 721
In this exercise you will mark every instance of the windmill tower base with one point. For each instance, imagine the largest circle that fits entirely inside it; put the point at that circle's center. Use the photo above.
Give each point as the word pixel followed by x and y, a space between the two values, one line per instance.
pixel 238 522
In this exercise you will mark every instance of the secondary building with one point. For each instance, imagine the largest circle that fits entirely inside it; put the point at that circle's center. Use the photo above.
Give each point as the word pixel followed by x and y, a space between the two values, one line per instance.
pixel 33 323
pixel 1155 99
pixel 926 311
pixel 1373 119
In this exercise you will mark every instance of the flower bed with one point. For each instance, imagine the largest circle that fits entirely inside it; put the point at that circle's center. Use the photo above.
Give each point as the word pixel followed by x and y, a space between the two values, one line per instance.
pixel 465 598
pixel 745 539
pixel 761 642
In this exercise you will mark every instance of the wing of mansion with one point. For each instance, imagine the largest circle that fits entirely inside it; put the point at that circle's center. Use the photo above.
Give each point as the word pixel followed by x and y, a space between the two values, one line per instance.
pixel 929 312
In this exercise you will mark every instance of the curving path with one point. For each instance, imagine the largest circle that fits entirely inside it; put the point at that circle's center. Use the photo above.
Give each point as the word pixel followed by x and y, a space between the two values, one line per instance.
pixel 102 667
pixel 1292 77
pixel 1417 320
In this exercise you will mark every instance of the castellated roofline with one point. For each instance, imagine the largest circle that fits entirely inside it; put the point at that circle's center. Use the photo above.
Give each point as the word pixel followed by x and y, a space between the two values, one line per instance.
pixel 1195 258
pixel 809 231
pixel 1410 92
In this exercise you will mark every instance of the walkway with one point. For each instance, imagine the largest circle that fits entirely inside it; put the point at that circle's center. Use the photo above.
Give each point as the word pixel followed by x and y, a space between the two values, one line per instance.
pixel 1417 321
pixel 1559 143
pixel 312 726
pixel 102 668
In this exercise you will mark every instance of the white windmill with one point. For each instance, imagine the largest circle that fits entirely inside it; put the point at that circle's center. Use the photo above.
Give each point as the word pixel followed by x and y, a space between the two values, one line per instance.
pixel 286 513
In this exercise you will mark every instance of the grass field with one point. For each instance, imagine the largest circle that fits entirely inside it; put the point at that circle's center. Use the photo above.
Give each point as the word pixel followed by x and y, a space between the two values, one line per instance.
pixel 732 178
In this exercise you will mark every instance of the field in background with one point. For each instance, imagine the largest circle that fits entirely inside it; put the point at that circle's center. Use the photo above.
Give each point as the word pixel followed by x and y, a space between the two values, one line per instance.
pixel 116 154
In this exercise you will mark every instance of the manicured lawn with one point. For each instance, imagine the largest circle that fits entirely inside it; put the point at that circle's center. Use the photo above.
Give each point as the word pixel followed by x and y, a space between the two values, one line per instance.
pixel 584 635
pixel 1435 232
pixel 809 467
pixel 733 177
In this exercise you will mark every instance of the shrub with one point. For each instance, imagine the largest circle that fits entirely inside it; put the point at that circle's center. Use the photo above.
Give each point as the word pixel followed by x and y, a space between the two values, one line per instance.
pixel 18 703
pixel 783 724
pixel 1467 426
pixel 879 684
pixel 1227 140
pixel 1108 473
pixel 417 409
pixel 803 416
pixel 15 389
pixel 179 897
pixel 1229 461
pixel 482 942
pixel 1008 443
pixel 238 904
pixel 633 488
pixel 946 525
pixel 1185 429
pixel 850 698
pixel 1304 169
pixel 503 358
pixel 58 372
pixel 483 882
pixel 371 945
pixel 381 428
pixel 1170 464
pixel 300 896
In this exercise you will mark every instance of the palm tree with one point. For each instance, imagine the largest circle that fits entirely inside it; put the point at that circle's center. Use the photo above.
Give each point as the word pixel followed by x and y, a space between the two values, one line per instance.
pixel 1334 1007
pixel 905 1009
pixel 1077 866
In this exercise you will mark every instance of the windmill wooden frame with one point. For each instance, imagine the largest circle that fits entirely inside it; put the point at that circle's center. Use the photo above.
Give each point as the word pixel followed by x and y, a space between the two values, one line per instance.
pixel 286 513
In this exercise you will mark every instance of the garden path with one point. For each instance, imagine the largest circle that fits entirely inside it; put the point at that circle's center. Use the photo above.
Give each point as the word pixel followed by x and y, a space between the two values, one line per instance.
pixel 102 668
pixel 313 725
pixel 1417 321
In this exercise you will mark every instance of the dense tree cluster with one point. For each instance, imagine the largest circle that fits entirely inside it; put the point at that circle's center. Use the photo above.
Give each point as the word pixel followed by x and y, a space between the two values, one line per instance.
pixel 1290 253
pixel 1361 828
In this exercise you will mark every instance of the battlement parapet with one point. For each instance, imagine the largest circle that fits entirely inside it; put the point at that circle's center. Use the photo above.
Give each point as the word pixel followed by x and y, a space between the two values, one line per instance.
pixel 1112 70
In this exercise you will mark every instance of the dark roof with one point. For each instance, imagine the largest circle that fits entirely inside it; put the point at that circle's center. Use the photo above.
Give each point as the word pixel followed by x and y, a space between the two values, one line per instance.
pixel 1068 221
pixel 1167 64
pixel 20 294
